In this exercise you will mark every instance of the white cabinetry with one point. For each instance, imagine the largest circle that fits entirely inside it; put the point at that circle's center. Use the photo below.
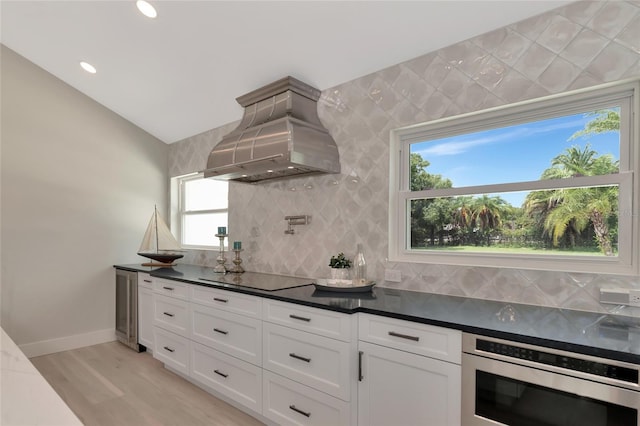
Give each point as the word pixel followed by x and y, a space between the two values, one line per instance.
pixel 308 361
pixel 238 380
pixel 296 365
pixel 145 310
pixel 171 349
pixel 226 355
pixel 410 373
pixel 170 322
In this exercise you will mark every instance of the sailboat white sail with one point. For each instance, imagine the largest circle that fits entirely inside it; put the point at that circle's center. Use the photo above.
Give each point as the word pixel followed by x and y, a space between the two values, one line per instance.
pixel 158 243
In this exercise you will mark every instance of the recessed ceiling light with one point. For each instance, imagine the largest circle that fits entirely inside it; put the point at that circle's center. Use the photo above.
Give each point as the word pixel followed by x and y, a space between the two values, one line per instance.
pixel 88 67
pixel 146 9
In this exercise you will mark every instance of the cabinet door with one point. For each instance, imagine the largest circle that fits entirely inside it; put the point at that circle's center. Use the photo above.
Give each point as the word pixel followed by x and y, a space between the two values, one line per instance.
pixel 233 334
pixel 403 389
pixel 315 361
pixel 230 376
pixel 290 403
pixel 172 350
pixel 145 317
pixel 171 314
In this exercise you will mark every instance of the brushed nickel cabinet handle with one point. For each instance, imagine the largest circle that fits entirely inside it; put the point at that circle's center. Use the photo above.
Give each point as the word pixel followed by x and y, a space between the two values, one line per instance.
pixel 217 330
pixel 169 349
pixel 301 358
pixel 219 373
pixel 404 336
pixel 168 288
pixel 168 314
pixel 299 318
pixel 360 376
pixel 147 281
pixel 217 299
pixel 299 411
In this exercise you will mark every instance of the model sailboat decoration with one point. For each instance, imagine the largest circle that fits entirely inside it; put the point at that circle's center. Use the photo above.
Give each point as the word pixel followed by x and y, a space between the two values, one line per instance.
pixel 158 243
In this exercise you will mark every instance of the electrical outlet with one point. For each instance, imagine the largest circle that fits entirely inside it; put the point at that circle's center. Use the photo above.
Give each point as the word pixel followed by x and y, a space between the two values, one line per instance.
pixel 392 275
pixel 634 297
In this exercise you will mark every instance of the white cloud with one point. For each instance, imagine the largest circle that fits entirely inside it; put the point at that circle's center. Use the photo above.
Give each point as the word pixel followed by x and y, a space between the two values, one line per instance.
pixel 460 144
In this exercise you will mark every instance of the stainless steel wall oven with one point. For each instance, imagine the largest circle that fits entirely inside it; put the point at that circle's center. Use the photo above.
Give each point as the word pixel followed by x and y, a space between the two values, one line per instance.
pixel 508 383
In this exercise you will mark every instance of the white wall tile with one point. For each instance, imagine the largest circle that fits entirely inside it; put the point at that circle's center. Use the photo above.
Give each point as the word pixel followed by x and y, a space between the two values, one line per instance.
pixel 565 49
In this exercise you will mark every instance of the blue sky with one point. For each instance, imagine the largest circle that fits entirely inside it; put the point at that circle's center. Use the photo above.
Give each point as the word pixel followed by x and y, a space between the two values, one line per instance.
pixel 510 154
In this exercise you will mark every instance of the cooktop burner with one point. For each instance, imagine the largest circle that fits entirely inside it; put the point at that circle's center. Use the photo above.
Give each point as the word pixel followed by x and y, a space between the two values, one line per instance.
pixel 265 282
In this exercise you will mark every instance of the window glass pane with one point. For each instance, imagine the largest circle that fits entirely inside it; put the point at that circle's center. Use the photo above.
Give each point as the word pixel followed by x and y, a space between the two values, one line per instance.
pixel 205 194
pixel 584 144
pixel 581 221
pixel 200 229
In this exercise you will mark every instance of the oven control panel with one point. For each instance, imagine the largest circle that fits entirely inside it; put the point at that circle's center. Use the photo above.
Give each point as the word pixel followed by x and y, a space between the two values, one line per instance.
pixel 571 363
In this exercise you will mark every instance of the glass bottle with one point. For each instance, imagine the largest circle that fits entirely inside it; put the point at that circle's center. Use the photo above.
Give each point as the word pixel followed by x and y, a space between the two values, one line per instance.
pixel 360 267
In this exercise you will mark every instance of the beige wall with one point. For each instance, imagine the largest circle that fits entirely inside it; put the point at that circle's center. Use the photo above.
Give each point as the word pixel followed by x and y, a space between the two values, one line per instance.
pixel 78 187
pixel 580 45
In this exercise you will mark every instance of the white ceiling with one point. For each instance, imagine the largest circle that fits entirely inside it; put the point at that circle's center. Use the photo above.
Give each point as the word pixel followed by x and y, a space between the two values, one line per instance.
pixel 179 74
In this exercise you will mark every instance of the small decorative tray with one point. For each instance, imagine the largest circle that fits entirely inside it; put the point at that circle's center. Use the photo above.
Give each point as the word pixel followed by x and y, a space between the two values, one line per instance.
pixel 342 287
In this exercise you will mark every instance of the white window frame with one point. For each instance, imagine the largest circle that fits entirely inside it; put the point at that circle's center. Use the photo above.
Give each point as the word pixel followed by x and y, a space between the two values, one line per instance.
pixel 178 211
pixel 626 92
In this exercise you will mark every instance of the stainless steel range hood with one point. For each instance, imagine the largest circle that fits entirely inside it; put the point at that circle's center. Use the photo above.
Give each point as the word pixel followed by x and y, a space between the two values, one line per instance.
pixel 280 136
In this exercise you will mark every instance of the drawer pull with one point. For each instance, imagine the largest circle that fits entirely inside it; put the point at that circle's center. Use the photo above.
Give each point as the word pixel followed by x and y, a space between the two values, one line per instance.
pixel 404 336
pixel 147 281
pixel 301 358
pixel 217 330
pixel 168 314
pixel 219 373
pixel 168 288
pixel 169 349
pixel 296 317
pixel 217 299
pixel 299 411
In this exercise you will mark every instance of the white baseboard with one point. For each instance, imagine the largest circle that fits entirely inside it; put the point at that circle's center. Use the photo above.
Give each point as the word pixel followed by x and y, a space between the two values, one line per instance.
pixel 45 347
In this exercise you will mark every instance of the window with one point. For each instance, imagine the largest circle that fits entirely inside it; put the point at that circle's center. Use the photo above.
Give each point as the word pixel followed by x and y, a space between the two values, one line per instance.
pixel 200 206
pixel 544 184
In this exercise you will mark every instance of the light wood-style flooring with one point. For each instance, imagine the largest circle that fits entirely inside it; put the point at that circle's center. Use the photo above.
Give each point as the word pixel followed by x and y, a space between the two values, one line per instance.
pixel 109 384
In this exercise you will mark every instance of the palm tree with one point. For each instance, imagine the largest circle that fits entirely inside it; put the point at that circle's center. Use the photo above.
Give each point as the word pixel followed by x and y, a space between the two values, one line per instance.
pixel 606 120
pixel 487 213
pixel 575 208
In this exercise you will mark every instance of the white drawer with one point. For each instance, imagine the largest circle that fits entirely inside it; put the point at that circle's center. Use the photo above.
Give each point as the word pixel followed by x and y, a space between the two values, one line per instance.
pixel 319 321
pixel 422 339
pixel 145 280
pixel 233 334
pixel 289 403
pixel 315 361
pixel 238 303
pixel 171 288
pixel 171 349
pixel 232 377
pixel 171 314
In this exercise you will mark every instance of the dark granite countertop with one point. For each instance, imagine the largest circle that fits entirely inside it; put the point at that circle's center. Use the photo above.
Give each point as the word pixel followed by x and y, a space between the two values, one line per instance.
pixel 605 335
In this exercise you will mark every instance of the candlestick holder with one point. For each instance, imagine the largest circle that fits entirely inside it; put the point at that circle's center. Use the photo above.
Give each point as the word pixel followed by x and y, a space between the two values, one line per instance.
pixel 236 268
pixel 221 268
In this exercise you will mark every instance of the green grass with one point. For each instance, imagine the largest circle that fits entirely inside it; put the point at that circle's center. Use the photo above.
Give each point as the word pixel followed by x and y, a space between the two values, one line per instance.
pixel 580 251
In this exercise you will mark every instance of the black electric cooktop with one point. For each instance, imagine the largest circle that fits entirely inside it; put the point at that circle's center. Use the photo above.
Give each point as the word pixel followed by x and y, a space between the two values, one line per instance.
pixel 265 282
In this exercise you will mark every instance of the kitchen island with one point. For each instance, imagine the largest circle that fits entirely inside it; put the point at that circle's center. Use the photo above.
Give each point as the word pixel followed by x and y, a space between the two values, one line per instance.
pixel 27 398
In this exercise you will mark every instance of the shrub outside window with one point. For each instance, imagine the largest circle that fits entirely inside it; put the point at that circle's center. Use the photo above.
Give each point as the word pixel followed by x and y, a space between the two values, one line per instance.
pixel 545 184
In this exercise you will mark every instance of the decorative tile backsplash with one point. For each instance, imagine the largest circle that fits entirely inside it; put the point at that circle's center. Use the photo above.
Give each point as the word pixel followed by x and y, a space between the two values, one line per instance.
pixel 579 45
